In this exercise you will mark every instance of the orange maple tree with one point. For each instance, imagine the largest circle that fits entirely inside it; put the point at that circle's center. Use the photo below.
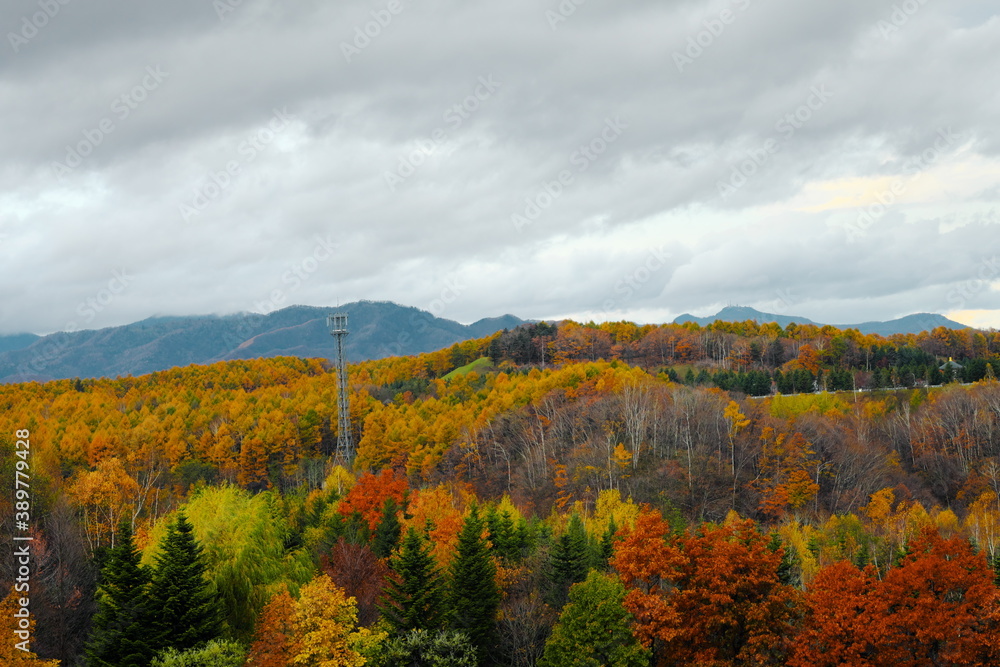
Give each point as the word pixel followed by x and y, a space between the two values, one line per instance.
pixel 838 628
pixel 939 606
pixel 275 643
pixel 368 496
pixel 712 597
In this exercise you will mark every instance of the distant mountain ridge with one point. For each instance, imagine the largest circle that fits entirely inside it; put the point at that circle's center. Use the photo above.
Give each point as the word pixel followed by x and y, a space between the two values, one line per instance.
pixel 909 324
pixel 17 341
pixel 377 329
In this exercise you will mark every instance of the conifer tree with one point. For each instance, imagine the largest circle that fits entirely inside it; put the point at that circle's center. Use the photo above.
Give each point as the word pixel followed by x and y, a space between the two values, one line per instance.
pixel 475 597
pixel 120 634
pixel 388 530
pixel 415 596
pixel 503 535
pixel 420 648
pixel 186 610
pixel 568 563
pixel 607 545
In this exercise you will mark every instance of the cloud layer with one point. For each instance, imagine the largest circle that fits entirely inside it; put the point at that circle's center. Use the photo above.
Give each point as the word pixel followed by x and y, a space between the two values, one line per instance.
pixel 572 158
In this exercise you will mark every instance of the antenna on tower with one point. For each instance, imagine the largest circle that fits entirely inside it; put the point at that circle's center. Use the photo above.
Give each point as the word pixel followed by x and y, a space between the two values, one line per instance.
pixel 345 448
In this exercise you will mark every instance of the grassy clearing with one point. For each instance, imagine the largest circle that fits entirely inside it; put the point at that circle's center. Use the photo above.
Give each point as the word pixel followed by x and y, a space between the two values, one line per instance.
pixel 477 365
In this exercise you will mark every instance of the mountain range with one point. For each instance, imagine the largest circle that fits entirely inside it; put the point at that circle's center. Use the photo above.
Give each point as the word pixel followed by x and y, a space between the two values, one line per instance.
pixel 910 324
pixel 377 329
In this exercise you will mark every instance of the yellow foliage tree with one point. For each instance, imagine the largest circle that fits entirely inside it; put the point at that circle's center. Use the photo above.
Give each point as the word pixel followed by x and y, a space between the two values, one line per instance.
pixel 15 647
pixel 105 496
pixel 983 523
pixel 325 621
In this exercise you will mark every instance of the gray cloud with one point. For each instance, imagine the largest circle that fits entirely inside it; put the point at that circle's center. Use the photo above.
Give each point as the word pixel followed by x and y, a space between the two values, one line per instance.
pixel 222 151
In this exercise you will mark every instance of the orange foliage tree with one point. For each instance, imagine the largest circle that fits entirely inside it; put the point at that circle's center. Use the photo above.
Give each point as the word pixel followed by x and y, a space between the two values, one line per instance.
pixel 105 496
pixel 938 607
pixel 713 597
pixel 15 649
pixel 838 628
pixel 368 496
pixel 275 643
pixel 784 481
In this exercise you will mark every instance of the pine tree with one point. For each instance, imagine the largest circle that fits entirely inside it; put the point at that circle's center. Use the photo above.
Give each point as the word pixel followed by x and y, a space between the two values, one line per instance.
pixel 417 648
pixel 788 569
pixel 415 596
pixel 568 563
pixel 475 597
pixel 503 536
pixel 388 530
pixel 120 634
pixel 607 546
pixel 186 610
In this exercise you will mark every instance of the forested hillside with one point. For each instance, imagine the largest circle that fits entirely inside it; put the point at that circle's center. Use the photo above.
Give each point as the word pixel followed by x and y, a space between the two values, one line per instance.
pixel 378 329
pixel 731 494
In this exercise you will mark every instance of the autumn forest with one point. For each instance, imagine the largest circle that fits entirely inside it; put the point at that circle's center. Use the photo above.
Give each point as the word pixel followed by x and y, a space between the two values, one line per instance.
pixel 556 494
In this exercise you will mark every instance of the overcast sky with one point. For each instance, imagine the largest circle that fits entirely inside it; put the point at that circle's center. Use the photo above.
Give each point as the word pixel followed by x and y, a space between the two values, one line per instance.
pixel 587 159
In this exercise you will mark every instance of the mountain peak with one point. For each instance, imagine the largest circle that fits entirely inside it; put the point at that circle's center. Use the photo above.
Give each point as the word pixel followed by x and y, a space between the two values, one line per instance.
pixel 914 323
pixel 379 329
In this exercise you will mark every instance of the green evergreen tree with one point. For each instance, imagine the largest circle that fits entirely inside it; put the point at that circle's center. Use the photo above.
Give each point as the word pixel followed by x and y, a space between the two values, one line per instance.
pixel 415 596
pixel 420 648
pixel 608 545
pixel 781 383
pixel 568 562
pixel 187 612
pixel 120 635
pixel 475 597
pixel 388 530
pixel 863 556
pixel 503 536
pixel 789 568
pixel 595 629
pixel 216 653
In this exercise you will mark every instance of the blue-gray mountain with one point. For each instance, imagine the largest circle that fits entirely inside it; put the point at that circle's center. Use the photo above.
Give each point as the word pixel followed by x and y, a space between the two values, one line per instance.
pixel 910 324
pixel 377 329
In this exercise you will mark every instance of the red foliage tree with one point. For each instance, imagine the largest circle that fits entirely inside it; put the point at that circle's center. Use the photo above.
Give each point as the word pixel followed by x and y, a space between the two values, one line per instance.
pixel 938 607
pixel 370 493
pixel 708 598
pixel 360 573
pixel 275 643
pixel 838 628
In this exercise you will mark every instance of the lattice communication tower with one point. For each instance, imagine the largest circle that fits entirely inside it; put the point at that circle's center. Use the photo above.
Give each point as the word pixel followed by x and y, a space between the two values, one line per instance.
pixel 345 448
